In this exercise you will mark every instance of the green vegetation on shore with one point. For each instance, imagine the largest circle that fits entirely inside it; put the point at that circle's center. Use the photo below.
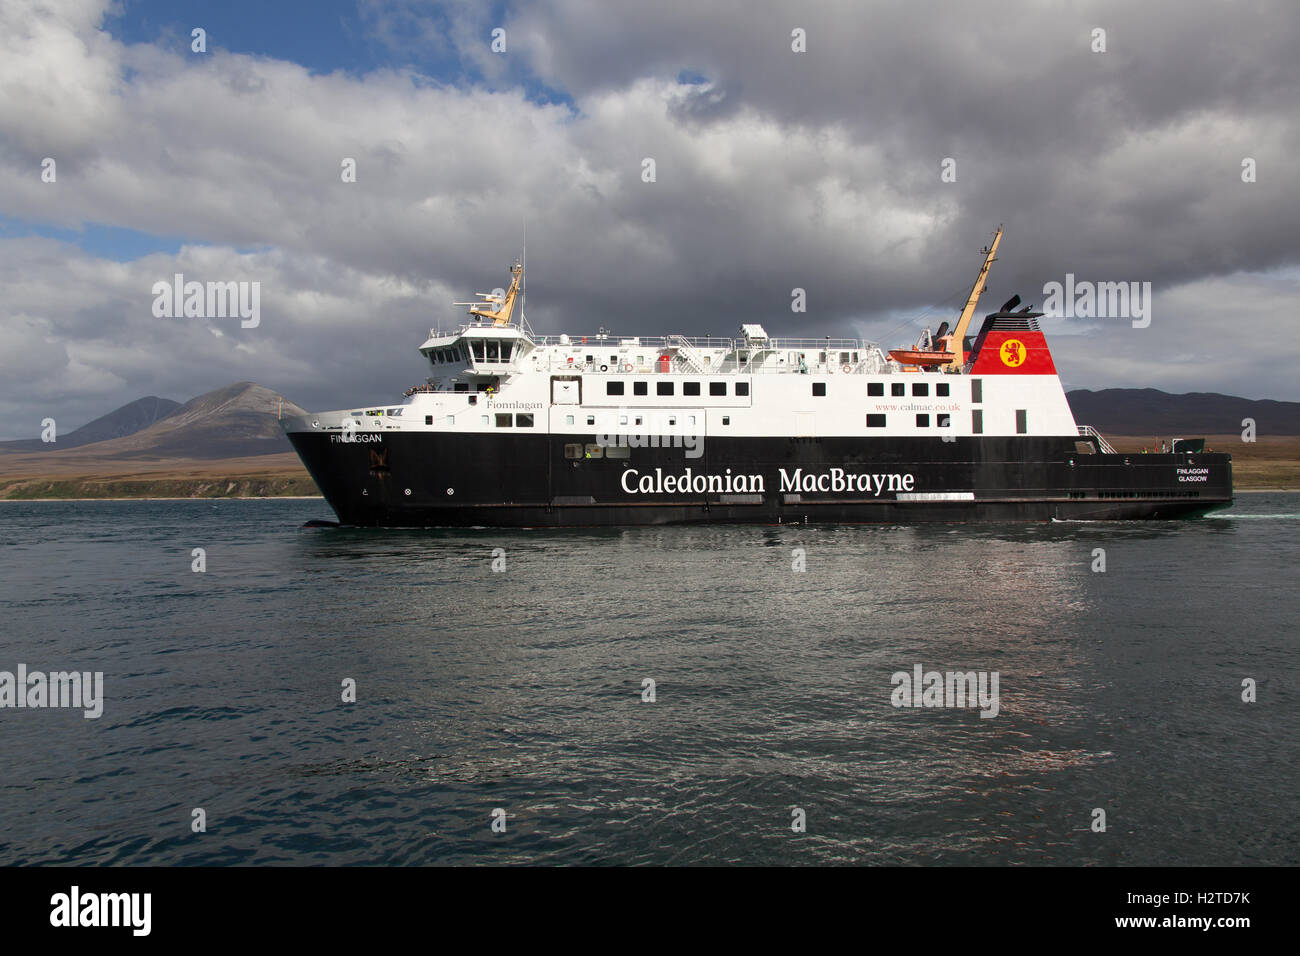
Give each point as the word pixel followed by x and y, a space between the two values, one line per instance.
pixel 235 487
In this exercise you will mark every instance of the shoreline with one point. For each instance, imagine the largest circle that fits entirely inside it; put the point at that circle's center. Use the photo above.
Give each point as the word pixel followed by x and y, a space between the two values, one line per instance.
pixel 151 498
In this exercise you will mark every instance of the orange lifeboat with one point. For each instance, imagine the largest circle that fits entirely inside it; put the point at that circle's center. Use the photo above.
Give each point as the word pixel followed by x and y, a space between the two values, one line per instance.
pixel 930 350
pixel 919 357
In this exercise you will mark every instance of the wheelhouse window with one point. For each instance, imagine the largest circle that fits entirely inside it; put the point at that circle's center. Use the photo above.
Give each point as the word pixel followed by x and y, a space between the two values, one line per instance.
pixel 478 350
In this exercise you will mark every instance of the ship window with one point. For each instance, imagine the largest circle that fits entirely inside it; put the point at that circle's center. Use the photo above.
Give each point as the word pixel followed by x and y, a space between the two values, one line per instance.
pixel 922 421
pixel 473 399
pixel 595 451
pixel 977 390
pixel 640 360
pixel 855 358
pixel 977 421
pixel 943 421
pixel 1022 421
pixel 821 358
pixel 638 419
pixel 663 388
pixel 568 419
pixel 591 419
pixel 591 359
pixel 622 419
pixel 613 360
pixel 451 419
pixel 690 420
pixel 618 451
pixel 613 388
pixel 572 451
pixel 503 420
pixel 485 419
pixel 875 389
pixel 690 388
pixel 460 387
pixel 875 421
pixel 897 388
pixel 941 390
pixel 524 421
pixel 742 388
pixel 428 419
pixel 726 419
pixel 921 389
pixel 478 350
pixel 819 389
pixel 672 419
pixel 640 388
pixel 717 388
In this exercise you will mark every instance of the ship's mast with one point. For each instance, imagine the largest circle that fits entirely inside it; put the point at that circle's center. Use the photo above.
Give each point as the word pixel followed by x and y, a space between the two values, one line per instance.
pixel 957 343
pixel 505 305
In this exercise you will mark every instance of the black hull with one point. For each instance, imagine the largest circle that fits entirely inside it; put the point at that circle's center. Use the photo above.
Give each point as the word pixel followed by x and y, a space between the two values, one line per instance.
pixel 402 479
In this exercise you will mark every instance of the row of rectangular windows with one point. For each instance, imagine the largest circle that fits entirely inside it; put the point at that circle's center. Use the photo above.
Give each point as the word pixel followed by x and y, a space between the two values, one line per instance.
pixel 667 388
pixel 944 421
pixel 522 420
pixel 874 389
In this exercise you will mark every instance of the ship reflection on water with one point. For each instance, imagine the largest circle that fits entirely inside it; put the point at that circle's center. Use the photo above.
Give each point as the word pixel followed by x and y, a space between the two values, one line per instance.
pixel 772 685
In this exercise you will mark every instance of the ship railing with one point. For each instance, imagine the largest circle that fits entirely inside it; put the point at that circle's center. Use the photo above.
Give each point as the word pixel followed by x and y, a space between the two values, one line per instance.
pixel 1087 431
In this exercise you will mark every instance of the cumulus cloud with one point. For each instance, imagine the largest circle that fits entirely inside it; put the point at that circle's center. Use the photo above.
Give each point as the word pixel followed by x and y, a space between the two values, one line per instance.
pixel 774 170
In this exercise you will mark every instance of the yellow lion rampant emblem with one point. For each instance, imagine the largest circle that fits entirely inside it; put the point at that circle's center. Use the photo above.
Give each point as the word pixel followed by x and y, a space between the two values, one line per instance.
pixel 1013 352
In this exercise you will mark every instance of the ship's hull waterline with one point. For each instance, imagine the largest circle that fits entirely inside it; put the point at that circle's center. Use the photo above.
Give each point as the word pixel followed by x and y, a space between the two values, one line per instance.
pixel 430 479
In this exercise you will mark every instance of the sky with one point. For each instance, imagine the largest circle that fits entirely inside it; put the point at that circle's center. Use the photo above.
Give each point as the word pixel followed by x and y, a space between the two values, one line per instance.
pixel 867 168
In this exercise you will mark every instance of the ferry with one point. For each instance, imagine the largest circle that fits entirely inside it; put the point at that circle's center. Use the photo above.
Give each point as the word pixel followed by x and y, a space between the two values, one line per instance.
pixel 515 429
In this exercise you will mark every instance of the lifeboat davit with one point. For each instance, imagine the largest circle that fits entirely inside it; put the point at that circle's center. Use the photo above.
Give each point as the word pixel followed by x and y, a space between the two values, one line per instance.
pixel 919 357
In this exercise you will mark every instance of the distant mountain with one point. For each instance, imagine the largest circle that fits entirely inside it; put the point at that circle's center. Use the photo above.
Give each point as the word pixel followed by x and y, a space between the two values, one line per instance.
pixel 1149 411
pixel 237 421
pixel 127 420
